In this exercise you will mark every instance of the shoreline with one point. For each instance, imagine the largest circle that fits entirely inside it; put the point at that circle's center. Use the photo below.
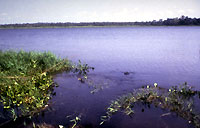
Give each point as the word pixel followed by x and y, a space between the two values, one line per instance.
pixel 92 26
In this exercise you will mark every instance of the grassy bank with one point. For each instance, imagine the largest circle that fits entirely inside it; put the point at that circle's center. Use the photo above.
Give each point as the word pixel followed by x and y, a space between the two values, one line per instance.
pixel 26 80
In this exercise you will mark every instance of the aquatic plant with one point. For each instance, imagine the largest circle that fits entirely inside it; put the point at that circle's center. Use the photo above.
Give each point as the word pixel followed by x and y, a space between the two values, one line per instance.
pixel 75 119
pixel 178 99
pixel 26 80
pixel 43 125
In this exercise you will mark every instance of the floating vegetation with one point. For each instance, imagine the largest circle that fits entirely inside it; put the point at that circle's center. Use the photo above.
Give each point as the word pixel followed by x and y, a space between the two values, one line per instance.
pixel 75 120
pixel 96 87
pixel 82 70
pixel 44 125
pixel 26 80
pixel 178 99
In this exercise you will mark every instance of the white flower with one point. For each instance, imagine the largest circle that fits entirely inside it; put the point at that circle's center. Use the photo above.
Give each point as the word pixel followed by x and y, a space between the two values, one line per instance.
pixel 155 84
pixel 60 126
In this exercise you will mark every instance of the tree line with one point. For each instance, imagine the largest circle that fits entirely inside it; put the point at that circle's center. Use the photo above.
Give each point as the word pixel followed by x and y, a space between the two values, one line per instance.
pixel 183 20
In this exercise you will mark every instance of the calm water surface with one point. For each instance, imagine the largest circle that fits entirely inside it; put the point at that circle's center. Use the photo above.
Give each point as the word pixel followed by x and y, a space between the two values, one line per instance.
pixel 166 55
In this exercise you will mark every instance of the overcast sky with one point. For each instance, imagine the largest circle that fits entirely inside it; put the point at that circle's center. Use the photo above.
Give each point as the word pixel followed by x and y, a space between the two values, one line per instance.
pixel 32 11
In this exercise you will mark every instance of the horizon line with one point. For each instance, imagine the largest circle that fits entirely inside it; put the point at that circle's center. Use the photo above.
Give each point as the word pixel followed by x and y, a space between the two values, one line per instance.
pixel 99 21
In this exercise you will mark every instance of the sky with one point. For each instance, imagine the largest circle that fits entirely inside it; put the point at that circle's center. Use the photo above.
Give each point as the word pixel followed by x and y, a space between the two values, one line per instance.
pixel 34 11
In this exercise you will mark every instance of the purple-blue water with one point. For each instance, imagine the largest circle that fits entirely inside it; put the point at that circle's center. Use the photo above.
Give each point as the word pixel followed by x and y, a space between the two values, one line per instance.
pixel 166 55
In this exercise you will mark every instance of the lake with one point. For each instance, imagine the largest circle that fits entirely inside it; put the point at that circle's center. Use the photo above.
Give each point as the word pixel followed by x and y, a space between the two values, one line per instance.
pixel 166 55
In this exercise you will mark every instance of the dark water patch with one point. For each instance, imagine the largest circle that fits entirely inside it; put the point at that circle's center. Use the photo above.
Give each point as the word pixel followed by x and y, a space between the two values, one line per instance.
pixel 74 99
pixel 150 118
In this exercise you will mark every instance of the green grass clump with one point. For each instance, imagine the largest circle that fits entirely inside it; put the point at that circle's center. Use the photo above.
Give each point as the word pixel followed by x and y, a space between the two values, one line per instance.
pixel 26 80
pixel 27 63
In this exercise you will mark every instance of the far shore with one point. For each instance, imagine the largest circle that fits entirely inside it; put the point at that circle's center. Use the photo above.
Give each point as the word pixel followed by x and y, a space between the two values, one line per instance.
pixel 92 26
pixel 182 21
